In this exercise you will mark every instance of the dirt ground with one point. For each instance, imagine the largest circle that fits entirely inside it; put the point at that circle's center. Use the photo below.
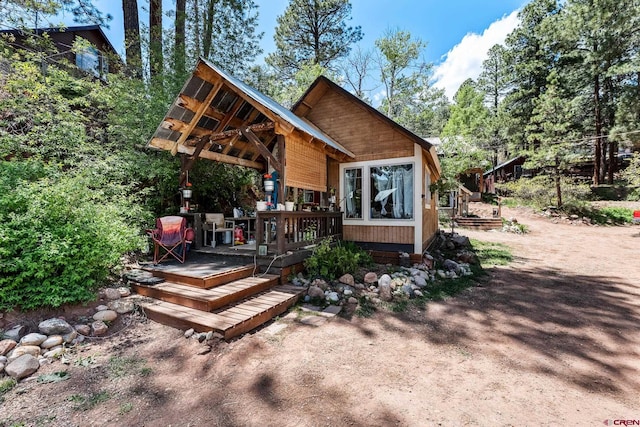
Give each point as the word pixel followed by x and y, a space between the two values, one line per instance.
pixel 552 339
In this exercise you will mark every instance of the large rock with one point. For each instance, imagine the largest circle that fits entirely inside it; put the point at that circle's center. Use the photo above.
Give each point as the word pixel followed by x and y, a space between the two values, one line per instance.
pixel 384 280
pixel 333 297
pixel 83 329
pixel 420 281
pixel 106 316
pixel 54 326
pixel 33 339
pixel 122 306
pixel 384 291
pixel 450 265
pixel 6 346
pixel 16 333
pixel 22 367
pixel 124 292
pixel 315 292
pixel 21 350
pixel 68 338
pixel 52 341
pixel 370 278
pixel 112 294
pixel 461 241
pixel 99 328
pixel 347 279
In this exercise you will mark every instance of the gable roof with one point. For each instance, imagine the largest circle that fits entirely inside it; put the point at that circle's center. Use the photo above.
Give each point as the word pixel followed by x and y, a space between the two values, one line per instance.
pixel 279 110
pixel 301 105
pixel 70 30
pixel 200 111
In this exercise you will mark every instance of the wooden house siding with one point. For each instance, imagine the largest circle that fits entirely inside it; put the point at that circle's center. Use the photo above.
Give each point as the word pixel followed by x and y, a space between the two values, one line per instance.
pixel 378 234
pixel 366 136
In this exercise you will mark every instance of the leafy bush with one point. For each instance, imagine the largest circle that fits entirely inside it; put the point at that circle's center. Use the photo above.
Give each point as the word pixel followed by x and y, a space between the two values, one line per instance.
pixel 59 236
pixel 540 191
pixel 605 215
pixel 332 261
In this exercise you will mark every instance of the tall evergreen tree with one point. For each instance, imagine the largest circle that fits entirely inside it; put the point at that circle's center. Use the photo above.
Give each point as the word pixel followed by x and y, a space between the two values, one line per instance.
pixel 529 63
pixel 400 67
pixel 156 57
pixel 597 45
pixel 133 52
pixel 313 32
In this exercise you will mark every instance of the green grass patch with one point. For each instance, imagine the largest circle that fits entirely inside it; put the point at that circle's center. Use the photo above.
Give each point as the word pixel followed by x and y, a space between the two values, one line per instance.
pixel 366 308
pixel 6 385
pixel 490 254
pixel 123 366
pixel 125 407
pixel 86 402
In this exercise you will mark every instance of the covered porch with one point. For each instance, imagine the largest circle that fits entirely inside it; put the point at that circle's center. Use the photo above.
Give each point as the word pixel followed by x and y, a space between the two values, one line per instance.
pixel 219 118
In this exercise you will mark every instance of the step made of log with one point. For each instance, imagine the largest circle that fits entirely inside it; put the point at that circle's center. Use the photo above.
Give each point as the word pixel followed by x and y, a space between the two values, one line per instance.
pixel 207 299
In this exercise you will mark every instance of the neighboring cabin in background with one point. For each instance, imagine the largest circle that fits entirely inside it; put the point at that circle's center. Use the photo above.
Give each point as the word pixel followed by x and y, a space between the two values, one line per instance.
pixel 98 59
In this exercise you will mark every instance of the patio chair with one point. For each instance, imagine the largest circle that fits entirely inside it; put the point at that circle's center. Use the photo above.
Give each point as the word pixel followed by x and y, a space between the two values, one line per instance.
pixel 170 237
pixel 215 223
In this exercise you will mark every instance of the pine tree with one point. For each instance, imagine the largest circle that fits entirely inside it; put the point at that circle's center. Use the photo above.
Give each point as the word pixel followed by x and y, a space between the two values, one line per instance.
pixel 312 32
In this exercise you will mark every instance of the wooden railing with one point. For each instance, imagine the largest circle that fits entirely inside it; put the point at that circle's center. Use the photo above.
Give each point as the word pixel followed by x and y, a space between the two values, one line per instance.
pixel 283 231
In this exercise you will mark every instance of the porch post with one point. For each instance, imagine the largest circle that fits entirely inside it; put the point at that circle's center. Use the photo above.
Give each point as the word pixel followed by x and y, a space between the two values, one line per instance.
pixel 282 160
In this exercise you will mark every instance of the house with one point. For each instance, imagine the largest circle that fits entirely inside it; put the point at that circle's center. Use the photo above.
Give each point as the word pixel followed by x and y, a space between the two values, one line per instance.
pixel 330 144
pixel 98 59
pixel 507 171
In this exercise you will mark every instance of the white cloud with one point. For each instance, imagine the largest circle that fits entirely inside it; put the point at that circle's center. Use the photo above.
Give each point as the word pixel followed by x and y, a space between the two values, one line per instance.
pixel 465 59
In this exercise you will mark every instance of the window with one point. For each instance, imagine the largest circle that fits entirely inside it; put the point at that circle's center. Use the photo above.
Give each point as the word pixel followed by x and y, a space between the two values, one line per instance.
pixel 391 191
pixel 89 60
pixel 427 188
pixel 353 193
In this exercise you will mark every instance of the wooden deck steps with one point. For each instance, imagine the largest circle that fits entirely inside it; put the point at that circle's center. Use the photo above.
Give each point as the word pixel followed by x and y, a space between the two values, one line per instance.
pixel 207 299
pixel 479 223
pixel 206 278
pixel 212 293
pixel 230 321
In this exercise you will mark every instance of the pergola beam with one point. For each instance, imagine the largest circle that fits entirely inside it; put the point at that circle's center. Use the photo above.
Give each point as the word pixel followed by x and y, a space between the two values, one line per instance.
pixel 251 137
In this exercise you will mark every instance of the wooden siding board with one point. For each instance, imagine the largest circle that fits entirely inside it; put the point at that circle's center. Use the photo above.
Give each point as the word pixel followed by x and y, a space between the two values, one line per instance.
pixel 358 130
pixel 378 234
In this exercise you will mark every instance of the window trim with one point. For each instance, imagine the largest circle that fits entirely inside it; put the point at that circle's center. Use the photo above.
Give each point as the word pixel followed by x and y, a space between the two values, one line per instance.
pixel 366 192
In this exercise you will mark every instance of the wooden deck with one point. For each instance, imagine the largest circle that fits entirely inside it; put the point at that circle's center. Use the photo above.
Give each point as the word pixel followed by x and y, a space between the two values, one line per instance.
pixel 210 297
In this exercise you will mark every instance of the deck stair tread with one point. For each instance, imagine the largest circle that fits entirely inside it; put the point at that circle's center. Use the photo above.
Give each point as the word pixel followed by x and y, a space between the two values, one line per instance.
pixel 231 320
pixel 204 278
pixel 208 299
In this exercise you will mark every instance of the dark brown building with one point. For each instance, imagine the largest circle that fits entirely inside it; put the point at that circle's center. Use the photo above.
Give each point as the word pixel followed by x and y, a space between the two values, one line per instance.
pixel 98 59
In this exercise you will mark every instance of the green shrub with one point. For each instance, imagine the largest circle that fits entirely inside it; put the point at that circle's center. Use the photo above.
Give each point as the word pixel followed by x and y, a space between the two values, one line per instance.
pixel 540 191
pixel 59 236
pixel 332 261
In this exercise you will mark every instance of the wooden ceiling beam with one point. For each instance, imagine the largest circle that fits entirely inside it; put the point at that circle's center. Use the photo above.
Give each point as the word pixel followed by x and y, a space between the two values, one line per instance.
pixel 252 138
pixel 193 105
pixel 198 113
pixel 165 144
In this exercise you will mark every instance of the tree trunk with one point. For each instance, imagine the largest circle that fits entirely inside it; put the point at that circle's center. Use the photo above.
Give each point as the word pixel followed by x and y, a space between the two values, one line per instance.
pixel 179 43
pixel 155 38
pixel 208 29
pixel 132 38
pixel 598 127
pixel 557 179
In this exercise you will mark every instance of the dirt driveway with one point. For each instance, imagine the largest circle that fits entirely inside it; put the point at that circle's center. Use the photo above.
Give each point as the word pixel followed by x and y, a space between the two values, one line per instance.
pixel 553 339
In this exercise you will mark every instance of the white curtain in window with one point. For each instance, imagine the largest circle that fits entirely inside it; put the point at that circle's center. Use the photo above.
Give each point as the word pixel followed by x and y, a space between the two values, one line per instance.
pixel 350 187
pixel 408 192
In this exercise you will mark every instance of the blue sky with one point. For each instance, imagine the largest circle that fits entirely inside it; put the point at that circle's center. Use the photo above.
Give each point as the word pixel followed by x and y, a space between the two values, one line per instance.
pixel 458 32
